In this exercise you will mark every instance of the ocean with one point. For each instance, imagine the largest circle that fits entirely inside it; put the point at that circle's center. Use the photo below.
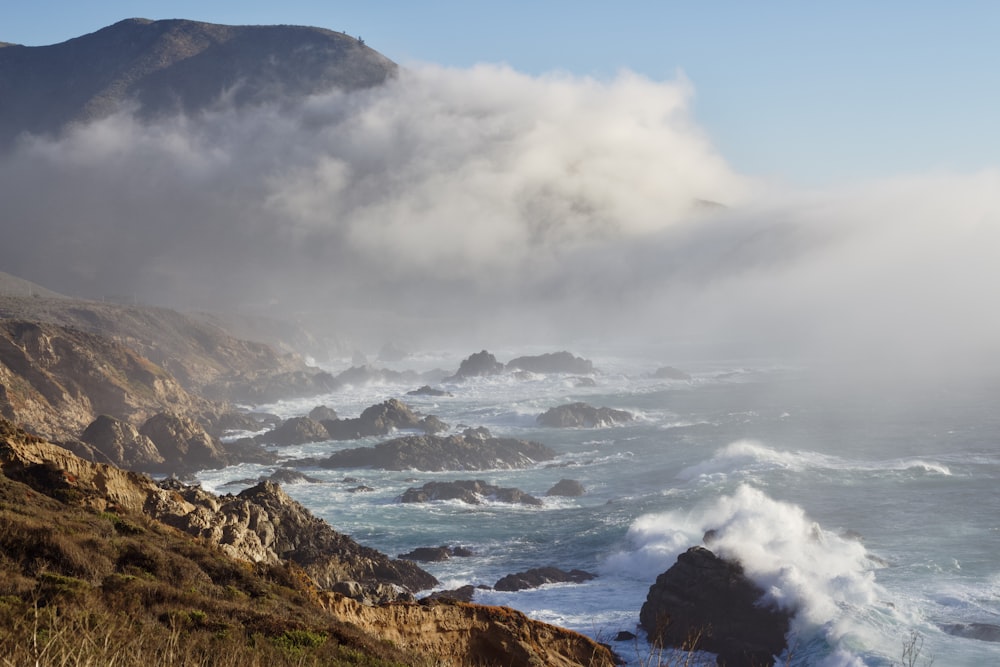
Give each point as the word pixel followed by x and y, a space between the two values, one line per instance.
pixel 872 514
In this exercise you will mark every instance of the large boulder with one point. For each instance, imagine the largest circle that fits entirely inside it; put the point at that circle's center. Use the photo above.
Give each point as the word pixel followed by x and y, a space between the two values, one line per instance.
pixel 184 445
pixel 474 449
pixel 581 415
pixel 477 365
pixel 567 488
pixel 122 444
pixel 381 419
pixel 296 431
pixel 540 576
pixel 709 602
pixel 473 492
pixel 553 362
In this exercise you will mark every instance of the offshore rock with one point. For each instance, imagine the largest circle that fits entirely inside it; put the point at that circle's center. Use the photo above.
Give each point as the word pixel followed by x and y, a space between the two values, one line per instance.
pixel 295 431
pixel 477 365
pixel 581 415
pixel 321 412
pixel 382 419
pixel 540 576
pixel 473 492
pixel 436 554
pixel 472 450
pixel 567 488
pixel 553 362
pixel 706 603
pixel 428 390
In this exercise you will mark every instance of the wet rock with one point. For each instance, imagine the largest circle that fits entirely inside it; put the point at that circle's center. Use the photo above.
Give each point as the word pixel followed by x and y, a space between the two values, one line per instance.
pixel 428 390
pixel 987 632
pixel 428 554
pixel 625 636
pixel 554 362
pixel 473 492
pixel 477 365
pixel 295 431
pixel 382 419
pixel 540 576
pixel 581 415
pixel 183 444
pixel 568 488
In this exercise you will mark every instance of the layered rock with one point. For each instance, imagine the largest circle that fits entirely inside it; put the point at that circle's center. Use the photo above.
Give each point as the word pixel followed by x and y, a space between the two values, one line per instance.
pixel 707 603
pixel 553 362
pixel 540 576
pixel 473 492
pixel 382 419
pixel 581 415
pixel 472 450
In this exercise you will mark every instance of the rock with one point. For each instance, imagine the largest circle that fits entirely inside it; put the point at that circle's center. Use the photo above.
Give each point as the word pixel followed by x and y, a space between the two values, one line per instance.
pixel 428 554
pixel 987 632
pixel 625 636
pixel 428 390
pixel 581 415
pixel 461 594
pixel 706 597
pixel 295 431
pixel 462 552
pixel 360 489
pixel 568 488
pixel 382 419
pixel 554 362
pixel 321 412
pixel 477 365
pixel 469 451
pixel 584 382
pixel 473 492
pixel 289 476
pixel 122 444
pixel 184 445
pixel 540 576
pixel 670 373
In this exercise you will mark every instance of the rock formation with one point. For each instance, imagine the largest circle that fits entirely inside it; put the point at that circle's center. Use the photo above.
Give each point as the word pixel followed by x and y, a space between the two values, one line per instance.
pixel 540 576
pixel 428 390
pixel 706 603
pixel 473 492
pixel 295 431
pixel 436 554
pixel 472 450
pixel 477 365
pixel 554 362
pixel 122 444
pixel 381 419
pixel 183 444
pixel 567 488
pixel 581 415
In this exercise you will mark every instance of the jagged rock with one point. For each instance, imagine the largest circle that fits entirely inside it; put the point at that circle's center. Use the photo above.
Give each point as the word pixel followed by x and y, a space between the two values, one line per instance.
pixel 469 451
pixel 382 419
pixel 581 415
pixel 554 362
pixel 122 444
pixel 540 576
pixel 477 365
pixel 296 431
pixel 184 445
pixel 473 492
pixel 567 488
pixel 321 412
pixel 706 597
pixel 428 390
pixel 670 373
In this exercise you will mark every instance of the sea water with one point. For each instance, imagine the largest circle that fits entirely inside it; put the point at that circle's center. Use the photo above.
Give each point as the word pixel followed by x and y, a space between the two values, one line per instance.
pixel 871 516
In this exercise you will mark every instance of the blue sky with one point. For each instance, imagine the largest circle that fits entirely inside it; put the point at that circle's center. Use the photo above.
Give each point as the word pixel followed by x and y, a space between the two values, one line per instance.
pixel 807 93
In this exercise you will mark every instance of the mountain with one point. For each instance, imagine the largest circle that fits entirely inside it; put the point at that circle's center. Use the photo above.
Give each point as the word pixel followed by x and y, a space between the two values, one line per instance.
pixel 14 286
pixel 176 65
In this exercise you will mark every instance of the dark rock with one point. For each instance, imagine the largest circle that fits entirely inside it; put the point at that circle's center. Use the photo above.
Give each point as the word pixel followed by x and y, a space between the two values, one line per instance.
pixel 122 444
pixel 296 431
pixel 469 451
pixel 321 412
pixel 473 492
pixel 428 554
pixel 461 594
pixel 248 450
pixel 382 419
pixel 581 415
pixel 462 552
pixel 428 390
pixel 584 382
pixel 986 632
pixel 624 636
pixel 361 489
pixel 568 488
pixel 289 476
pixel 540 576
pixel 477 365
pixel 670 373
pixel 706 597
pixel 555 362
pixel 184 445
pixel 350 480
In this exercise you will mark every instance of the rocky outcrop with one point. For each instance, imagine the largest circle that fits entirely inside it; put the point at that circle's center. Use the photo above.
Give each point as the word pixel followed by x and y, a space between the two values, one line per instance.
pixel 382 419
pixel 295 431
pixel 436 554
pixel 183 444
pixel 477 365
pixel 581 415
pixel 540 576
pixel 474 449
pixel 567 488
pixel 707 601
pixel 554 362
pixel 461 633
pixel 279 476
pixel 473 492
pixel 428 390
pixel 122 444
pixel 321 412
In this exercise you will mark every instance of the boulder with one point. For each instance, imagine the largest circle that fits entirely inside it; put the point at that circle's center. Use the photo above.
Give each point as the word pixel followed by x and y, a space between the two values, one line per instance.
pixel 554 362
pixel 477 365
pixel 540 576
pixel 382 419
pixel 122 444
pixel 184 445
pixel 567 488
pixel 295 431
pixel 473 492
pixel 581 415
pixel 471 450
pixel 461 594
pixel 706 603
pixel 321 412
pixel 428 390
pixel 428 554
pixel 670 373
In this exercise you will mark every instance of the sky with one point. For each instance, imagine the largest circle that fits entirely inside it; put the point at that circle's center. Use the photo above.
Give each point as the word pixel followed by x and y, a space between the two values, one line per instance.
pixel 554 172
pixel 810 94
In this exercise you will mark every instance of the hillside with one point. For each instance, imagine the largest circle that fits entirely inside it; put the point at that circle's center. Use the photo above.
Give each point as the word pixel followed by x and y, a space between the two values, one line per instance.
pixel 176 65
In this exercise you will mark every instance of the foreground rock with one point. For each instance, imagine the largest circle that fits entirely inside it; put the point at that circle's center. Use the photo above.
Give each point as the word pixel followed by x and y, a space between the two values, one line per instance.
pixel 554 362
pixel 473 492
pixel 382 419
pixel 474 449
pixel 581 415
pixel 540 576
pixel 705 598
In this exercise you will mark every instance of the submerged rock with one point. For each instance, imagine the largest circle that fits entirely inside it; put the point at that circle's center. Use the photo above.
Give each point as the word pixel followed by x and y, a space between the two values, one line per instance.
pixel 708 601
pixel 540 576
pixel 473 492
pixel 986 632
pixel 581 415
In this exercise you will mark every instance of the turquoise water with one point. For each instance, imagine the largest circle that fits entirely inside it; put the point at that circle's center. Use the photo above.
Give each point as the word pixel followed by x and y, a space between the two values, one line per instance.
pixel 869 514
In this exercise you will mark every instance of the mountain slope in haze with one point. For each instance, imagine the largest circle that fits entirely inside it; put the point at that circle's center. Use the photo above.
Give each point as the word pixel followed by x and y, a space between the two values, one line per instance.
pixel 14 286
pixel 176 65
